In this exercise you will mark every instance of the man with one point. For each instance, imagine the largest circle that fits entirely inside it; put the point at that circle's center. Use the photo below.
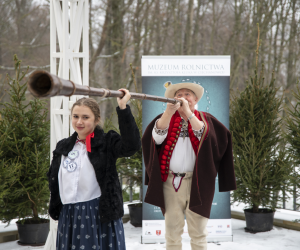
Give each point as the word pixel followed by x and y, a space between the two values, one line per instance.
pixel 184 150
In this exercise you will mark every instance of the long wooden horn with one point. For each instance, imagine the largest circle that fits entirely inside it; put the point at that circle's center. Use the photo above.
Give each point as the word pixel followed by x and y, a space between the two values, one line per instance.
pixel 43 84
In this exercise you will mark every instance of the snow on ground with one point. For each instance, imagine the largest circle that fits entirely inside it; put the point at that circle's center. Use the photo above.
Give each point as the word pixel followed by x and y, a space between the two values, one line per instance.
pixel 276 239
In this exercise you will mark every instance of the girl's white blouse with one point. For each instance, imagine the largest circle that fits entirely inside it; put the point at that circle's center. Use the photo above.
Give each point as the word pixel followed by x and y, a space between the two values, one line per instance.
pixel 81 184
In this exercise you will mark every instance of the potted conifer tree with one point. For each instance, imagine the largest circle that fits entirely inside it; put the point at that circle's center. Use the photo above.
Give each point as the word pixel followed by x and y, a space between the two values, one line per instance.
pixel 24 162
pixel 260 160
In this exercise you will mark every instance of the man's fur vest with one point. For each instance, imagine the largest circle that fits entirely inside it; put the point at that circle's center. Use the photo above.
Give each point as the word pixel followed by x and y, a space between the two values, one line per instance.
pixel 214 158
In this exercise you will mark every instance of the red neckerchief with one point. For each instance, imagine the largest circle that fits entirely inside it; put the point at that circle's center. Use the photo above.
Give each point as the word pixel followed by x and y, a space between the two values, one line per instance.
pixel 87 141
pixel 168 146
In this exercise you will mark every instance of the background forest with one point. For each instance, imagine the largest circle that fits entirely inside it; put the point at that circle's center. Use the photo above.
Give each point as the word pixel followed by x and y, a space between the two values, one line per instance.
pixel 121 31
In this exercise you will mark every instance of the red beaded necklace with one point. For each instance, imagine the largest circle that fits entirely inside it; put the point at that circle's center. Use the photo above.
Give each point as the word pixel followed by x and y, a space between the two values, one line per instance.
pixel 168 146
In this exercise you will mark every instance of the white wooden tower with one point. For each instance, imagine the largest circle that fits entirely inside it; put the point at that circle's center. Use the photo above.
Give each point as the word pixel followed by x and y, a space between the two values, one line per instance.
pixel 69 50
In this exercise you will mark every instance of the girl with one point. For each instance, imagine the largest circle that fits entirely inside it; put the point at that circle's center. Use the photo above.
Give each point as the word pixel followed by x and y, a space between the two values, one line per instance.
pixel 86 196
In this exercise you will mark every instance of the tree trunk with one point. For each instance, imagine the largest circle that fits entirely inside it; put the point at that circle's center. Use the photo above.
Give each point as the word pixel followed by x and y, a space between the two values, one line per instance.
pixel 157 28
pixel 188 29
pixel 291 58
pixel 255 208
pixel 102 41
pixel 34 211
pixel 195 43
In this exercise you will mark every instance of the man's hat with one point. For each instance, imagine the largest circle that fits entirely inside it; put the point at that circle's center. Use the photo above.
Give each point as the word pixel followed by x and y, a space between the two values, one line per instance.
pixel 172 88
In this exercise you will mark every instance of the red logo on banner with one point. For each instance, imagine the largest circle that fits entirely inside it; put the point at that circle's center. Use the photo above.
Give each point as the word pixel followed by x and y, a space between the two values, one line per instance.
pixel 158 232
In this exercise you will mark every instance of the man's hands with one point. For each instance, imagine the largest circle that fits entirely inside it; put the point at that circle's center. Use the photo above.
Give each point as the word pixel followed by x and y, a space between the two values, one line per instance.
pixel 164 121
pixel 185 112
pixel 171 108
pixel 185 108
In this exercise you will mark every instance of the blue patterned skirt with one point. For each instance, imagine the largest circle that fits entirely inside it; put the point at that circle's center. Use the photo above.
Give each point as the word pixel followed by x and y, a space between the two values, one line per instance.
pixel 79 227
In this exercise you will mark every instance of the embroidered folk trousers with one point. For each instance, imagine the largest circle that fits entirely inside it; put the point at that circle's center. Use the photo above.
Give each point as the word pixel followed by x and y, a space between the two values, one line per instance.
pixel 177 205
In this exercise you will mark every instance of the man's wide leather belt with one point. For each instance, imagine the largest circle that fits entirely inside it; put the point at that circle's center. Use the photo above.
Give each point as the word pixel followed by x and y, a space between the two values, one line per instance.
pixel 179 174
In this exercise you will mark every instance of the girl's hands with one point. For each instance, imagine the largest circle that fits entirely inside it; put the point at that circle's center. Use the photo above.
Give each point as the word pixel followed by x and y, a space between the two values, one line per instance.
pixel 122 101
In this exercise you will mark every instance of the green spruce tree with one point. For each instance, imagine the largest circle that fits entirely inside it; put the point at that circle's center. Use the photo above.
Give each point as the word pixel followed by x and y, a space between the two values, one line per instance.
pixel 24 154
pixel 259 158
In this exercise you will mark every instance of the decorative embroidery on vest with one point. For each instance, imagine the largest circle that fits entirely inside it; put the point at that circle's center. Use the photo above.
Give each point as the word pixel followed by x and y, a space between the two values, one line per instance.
pixel 168 146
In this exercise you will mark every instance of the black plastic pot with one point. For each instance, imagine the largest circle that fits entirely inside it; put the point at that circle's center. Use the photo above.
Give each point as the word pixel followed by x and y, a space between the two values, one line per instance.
pixel 135 212
pixel 33 234
pixel 259 222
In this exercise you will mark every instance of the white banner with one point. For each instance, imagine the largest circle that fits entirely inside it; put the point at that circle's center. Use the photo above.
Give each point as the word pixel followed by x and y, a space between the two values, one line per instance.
pixel 213 74
pixel 186 66
pixel 218 230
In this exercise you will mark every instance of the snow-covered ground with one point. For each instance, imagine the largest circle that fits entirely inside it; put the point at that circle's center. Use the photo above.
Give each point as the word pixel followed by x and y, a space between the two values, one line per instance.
pixel 276 239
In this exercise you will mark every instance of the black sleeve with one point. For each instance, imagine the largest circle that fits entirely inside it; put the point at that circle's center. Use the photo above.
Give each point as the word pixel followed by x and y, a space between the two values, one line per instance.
pixel 129 142
pixel 50 168
pixel 55 158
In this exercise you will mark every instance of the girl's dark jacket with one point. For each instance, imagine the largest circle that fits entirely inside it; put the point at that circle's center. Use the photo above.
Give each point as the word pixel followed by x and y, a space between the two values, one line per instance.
pixel 214 157
pixel 105 149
